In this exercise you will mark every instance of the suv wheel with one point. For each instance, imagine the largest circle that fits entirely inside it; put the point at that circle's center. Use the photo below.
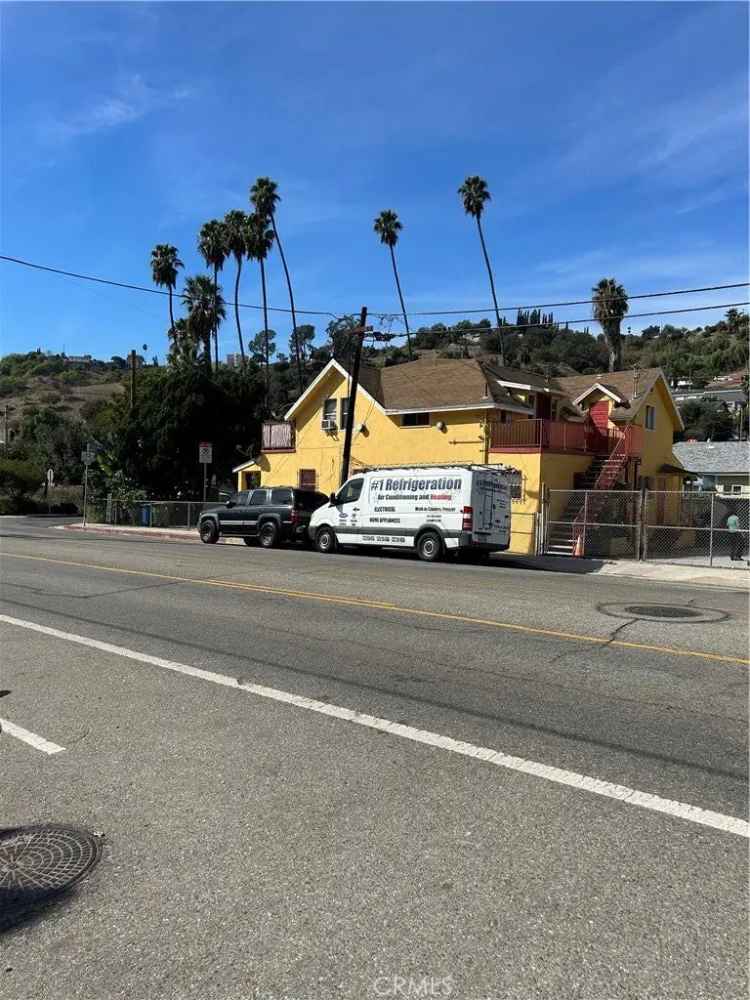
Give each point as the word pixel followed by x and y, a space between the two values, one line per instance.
pixel 209 532
pixel 429 546
pixel 268 535
pixel 325 540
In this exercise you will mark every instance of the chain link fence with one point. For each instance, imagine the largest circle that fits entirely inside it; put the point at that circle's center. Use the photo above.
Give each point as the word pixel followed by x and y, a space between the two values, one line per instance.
pixel 697 529
pixel 146 513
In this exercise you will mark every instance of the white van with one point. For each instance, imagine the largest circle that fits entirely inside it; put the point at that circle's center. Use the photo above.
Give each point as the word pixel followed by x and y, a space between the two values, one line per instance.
pixel 435 509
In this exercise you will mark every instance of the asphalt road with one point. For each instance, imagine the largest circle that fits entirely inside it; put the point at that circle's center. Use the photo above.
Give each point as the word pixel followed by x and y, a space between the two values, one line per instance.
pixel 327 835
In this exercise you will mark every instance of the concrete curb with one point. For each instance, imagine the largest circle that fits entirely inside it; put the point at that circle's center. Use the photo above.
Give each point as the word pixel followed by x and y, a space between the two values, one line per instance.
pixel 648 572
pixel 157 534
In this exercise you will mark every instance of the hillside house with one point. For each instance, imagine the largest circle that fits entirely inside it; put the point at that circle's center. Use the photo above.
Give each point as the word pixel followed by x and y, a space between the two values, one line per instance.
pixel 593 431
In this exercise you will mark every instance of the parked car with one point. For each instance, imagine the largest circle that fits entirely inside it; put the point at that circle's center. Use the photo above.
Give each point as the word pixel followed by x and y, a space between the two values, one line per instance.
pixel 271 514
pixel 435 510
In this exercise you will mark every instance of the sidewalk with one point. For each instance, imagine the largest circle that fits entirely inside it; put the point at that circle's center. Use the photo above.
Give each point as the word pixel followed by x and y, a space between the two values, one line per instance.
pixel 736 579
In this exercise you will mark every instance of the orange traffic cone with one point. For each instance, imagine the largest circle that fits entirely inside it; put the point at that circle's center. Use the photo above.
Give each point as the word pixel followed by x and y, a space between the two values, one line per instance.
pixel 578 550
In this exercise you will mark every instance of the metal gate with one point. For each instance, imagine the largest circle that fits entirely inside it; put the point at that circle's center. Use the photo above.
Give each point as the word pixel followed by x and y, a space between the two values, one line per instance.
pixel 600 524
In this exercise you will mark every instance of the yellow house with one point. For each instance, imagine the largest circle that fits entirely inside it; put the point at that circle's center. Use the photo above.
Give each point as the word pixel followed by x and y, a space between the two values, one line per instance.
pixel 593 431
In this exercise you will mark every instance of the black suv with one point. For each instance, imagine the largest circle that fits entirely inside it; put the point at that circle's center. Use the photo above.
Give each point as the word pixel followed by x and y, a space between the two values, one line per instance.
pixel 269 514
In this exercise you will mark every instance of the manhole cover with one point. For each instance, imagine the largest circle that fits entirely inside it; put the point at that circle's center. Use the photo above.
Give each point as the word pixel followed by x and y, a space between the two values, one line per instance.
pixel 37 862
pixel 661 611
pixel 664 613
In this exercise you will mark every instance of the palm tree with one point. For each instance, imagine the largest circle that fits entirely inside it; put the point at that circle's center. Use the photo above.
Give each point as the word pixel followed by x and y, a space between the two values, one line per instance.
pixel 259 240
pixel 610 302
pixel 183 348
pixel 235 223
pixel 387 226
pixel 212 247
pixel 264 196
pixel 475 193
pixel 164 266
pixel 205 306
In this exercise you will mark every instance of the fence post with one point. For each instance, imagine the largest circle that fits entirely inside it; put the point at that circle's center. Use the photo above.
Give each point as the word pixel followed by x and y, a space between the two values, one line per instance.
pixel 585 516
pixel 642 526
pixel 711 534
pixel 189 511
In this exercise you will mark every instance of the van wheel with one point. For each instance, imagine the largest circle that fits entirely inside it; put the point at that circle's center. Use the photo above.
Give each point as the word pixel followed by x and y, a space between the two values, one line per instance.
pixel 209 532
pixel 325 541
pixel 268 535
pixel 430 546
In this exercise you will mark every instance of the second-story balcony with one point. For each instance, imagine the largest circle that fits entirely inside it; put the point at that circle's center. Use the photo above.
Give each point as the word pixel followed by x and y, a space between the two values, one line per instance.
pixel 563 436
pixel 278 435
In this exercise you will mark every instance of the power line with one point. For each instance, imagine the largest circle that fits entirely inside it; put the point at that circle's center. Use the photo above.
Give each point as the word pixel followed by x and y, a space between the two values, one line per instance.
pixel 572 302
pixel 573 322
pixel 145 288
pixel 435 312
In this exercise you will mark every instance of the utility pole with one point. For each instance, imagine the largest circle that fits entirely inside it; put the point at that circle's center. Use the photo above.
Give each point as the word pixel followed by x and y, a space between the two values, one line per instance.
pixel 132 380
pixel 5 428
pixel 359 333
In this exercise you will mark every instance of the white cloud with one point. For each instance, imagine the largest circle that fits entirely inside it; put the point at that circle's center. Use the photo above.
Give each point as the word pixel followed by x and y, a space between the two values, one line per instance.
pixel 133 100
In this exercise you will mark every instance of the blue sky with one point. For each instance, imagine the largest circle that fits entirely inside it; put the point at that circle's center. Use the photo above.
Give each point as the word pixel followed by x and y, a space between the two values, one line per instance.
pixel 613 137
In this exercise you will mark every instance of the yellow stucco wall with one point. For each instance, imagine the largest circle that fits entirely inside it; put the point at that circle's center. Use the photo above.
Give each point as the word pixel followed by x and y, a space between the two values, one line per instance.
pixel 657 444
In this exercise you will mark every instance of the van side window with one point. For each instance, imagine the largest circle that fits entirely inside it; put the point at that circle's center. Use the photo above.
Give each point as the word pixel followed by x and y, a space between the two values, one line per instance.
pixel 351 491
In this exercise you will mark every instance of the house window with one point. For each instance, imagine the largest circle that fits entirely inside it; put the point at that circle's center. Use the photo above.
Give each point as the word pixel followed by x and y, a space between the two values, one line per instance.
pixel 736 488
pixel 329 410
pixel 515 480
pixel 650 418
pixel 415 420
pixel 344 411
pixel 308 479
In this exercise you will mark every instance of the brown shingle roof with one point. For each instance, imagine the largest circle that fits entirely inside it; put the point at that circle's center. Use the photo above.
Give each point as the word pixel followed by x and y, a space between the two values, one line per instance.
pixel 623 383
pixel 441 383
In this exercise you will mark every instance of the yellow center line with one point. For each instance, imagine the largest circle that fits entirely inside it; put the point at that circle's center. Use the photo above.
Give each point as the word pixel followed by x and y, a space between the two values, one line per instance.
pixel 307 595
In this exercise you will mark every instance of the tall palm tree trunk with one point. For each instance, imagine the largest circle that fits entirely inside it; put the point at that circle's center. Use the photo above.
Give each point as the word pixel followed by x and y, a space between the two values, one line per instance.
pixel 291 303
pixel 265 329
pixel 237 310
pixel 216 318
pixel 401 300
pixel 614 346
pixel 492 288
pixel 171 313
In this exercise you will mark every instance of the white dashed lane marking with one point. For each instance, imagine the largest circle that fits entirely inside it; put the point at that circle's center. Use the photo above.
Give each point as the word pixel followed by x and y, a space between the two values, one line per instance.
pixel 571 779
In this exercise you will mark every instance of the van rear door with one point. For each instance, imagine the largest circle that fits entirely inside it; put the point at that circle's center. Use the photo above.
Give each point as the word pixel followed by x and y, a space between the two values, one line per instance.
pixel 491 507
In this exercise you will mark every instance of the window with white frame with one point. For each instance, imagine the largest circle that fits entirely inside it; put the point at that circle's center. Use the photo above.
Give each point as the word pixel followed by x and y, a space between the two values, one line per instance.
pixel 329 410
pixel 650 418
pixel 415 419
pixel 344 411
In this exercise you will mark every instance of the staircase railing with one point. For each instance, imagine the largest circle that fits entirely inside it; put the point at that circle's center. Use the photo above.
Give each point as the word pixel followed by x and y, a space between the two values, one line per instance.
pixel 611 469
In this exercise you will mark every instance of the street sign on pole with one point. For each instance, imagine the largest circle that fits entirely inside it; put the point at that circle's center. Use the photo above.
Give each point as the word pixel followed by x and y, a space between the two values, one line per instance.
pixel 205 457
pixel 50 477
pixel 87 457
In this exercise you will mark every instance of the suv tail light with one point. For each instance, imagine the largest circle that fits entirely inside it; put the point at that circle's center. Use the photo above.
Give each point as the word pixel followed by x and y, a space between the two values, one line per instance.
pixel 294 516
pixel 468 521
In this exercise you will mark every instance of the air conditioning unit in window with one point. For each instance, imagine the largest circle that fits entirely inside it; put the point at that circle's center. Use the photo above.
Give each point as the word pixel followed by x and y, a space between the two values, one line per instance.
pixel 328 424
